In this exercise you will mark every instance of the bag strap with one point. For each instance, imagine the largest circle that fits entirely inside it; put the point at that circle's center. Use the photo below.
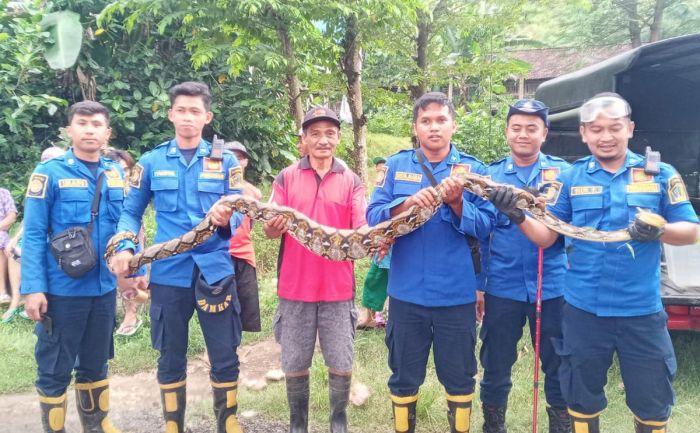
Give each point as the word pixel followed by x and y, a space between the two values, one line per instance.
pixel 428 173
pixel 473 243
pixel 95 210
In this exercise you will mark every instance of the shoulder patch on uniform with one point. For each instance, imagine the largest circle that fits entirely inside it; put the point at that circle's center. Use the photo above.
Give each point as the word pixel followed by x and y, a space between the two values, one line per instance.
pixel 586 190
pixel 458 169
pixel 136 176
pixel 550 191
pixel 677 192
pixel 638 175
pixel 381 177
pixel 72 183
pixel 235 177
pixel 408 177
pixel 643 187
pixel 37 185
pixel 550 174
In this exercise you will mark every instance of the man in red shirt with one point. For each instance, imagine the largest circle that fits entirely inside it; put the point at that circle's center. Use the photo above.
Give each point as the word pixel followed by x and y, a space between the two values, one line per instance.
pixel 242 252
pixel 316 294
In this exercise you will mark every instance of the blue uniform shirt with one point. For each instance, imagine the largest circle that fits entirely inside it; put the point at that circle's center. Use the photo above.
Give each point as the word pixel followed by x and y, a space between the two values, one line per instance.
pixel 617 278
pixel 509 258
pixel 432 266
pixel 182 194
pixel 59 196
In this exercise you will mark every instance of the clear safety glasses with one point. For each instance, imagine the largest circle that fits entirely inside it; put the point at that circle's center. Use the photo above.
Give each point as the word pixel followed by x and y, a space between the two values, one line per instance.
pixel 609 106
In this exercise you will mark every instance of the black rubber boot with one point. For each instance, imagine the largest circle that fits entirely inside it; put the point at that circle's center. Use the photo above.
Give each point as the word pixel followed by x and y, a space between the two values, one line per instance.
pixel 494 419
pixel 53 413
pixel 174 399
pixel 559 420
pixel 649 426
pixel 298 401
pixel 459 412
pixel 404 413
pixel 92 399
pixel 339 395
pixel 584 423
pixel 225 407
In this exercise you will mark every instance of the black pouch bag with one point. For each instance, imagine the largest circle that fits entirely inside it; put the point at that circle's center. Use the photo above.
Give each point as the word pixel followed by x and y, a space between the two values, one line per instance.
pixel 72 248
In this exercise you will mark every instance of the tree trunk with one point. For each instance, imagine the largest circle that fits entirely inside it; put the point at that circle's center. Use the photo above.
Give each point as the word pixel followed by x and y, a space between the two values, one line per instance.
pixel 655 33
pixel 352 68
pixel 292 80
pixel 424 28
pixel 635 31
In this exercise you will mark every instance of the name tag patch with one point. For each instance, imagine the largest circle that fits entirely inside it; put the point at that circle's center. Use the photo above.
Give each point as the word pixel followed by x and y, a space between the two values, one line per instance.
pixel 586 190
pixel 408 177
pixel 215 176
pixel 643 187
pixel 115 183
pixel 72 183
pixel 164 173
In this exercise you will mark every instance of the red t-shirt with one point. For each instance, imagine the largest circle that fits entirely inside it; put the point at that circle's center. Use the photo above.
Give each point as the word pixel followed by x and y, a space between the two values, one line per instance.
pixel 240 245
pixel 338 200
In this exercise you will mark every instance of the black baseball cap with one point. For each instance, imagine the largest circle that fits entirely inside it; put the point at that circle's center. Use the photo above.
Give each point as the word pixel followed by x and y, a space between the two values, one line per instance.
pixel 320 113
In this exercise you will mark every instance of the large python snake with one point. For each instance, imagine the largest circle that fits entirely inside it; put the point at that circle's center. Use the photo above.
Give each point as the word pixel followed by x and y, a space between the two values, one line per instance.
pixel 352 244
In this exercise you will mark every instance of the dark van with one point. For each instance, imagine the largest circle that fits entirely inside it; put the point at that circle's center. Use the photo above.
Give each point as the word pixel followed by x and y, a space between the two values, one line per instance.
pixel 661 81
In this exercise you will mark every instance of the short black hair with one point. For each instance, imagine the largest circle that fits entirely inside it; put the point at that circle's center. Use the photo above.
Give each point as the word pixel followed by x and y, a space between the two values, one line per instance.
pixel 117 155
pixel 433 98
pixel 87 108
pixel 191 88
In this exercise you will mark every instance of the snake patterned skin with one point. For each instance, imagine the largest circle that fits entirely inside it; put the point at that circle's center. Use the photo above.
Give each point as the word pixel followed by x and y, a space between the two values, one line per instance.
pixel 352 244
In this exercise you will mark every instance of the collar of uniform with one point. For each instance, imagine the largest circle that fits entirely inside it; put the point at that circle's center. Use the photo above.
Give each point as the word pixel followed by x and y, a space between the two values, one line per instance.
pixel 72 161
pixel 70 158
pixel 453 157
pixel 633 159
pixel 592 165
pixel 336 167
pixel 540 163
pixel 174 151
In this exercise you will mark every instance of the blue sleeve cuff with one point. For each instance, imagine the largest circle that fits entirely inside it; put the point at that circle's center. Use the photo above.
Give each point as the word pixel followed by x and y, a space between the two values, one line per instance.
pixel 126 244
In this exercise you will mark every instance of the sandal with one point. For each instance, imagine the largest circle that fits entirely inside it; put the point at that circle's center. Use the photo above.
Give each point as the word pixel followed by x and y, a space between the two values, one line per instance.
pixel 10 315
pixel 129 330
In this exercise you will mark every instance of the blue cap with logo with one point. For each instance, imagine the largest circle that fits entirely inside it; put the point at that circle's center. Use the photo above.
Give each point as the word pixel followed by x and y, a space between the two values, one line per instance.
pixel 530 107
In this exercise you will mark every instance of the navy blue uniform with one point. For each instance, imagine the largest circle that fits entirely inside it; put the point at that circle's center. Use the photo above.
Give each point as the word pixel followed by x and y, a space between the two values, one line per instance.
pixel 182 193
pixel 510 270
pixel 613 289
pixel 82 310
pixel 432 284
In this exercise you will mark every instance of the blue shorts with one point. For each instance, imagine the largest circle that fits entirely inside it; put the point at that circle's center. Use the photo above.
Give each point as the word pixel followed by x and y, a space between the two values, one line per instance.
pixel 647 361
pixel 411 331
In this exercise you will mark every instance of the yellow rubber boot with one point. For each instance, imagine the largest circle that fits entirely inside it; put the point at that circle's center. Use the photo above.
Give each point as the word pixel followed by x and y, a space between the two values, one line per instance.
pixel 404 413
pixel 225 407
pixel 174 398
pixel 584 423
pixel 92 399
pixel 641 426
pixel 53 413
pixel 459 412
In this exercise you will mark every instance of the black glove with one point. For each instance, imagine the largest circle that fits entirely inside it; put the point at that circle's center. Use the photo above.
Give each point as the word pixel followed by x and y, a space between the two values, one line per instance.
pixel 642 231
pixel 506 201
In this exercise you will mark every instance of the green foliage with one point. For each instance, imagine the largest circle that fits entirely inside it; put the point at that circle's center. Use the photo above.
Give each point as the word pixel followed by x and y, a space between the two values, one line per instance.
pixel 480 130
pixel 65 38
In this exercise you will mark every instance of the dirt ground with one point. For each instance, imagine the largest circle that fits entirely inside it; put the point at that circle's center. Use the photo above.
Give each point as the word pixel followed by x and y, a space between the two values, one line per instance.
pixel 136 399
